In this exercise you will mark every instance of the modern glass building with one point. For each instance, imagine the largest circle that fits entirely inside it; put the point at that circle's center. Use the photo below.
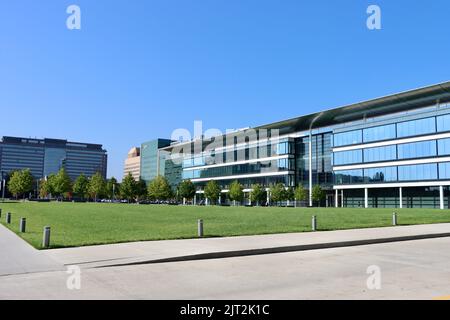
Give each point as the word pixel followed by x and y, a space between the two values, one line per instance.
pixel 150 164
pixel 46 156
pixel 392 151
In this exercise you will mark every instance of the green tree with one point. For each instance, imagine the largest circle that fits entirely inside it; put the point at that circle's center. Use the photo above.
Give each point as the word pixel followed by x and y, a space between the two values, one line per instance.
pixel 44 191
pixel 80 186
pixel 97 186
pixel 236 192
pixel 212 191
pixel 112 188
pixel 301 194
pixel 258 194
pixel 61 183
pixel 290 194
pixel 128 188
pixel 141 189
pixel 186 189
pixel 20 182
pixel 318 194
pixel 159 189
pixel 278 193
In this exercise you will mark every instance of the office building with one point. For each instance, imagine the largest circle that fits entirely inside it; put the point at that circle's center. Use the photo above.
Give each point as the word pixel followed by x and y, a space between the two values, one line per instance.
pixel 151 167
pixel 133 163
pixel 47 156
pixel 392 151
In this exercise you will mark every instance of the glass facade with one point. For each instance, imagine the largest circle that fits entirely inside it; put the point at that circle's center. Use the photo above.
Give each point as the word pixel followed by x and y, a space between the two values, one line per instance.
pixel 347 138
pixel 416 127
pixel 149 159
pixel 417 150
pixel 322 168
pixel 444 147
pixel 375 143
pixel 379 133
pixel 386 153
pixel 418 172
pixel 378 175
pixel 443 123
pixel 347 157
pixel 349 176
pixel 47 156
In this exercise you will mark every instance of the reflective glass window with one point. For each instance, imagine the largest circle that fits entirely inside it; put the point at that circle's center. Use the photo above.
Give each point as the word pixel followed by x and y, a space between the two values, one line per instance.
pixel 385 174
pixel 417 172
pixel 282 148
pixel 348 176
pixel 347 138
pixel 379 133
pixel 444 170
pixel 417 149
pixel 444 147
pixel 443 123
pixel 188 174
pixel 347 157
pixel 380 154
pixel 416 127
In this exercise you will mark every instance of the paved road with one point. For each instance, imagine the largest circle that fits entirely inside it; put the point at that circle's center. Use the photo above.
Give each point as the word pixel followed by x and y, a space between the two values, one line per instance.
pixel 17 256
pixel 409 270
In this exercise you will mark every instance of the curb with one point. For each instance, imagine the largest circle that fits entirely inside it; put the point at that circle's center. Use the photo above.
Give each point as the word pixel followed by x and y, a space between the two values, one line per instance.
pixel 296 248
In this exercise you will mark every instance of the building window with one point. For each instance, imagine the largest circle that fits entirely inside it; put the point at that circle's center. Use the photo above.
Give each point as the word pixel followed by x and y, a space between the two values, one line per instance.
pixel 444 147
pixel 418 172
pixel 380 154
pixel 416 127
pixel 347 157
pixel 386 174
pixel 417 150
pixel 444 170
pixel 348 176
pixel 284 148
pixel 443 123
pixel 379 133
pixel 188 175
pixel 347 138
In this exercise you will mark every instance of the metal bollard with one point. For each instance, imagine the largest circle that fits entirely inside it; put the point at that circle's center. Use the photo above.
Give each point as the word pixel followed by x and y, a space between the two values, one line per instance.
pixel 0 213
pixel 200 228
pixel 8 218
pixel 46 237
pixel 22 225
pixel 314 223
pixel 394 219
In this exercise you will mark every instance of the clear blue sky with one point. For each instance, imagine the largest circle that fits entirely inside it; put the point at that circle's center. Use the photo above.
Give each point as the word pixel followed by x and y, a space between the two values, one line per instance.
pixel 140 68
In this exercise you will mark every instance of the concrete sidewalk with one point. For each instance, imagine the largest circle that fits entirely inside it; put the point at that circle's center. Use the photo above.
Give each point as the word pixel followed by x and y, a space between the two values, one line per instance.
pixel 210 248
pixel 18 257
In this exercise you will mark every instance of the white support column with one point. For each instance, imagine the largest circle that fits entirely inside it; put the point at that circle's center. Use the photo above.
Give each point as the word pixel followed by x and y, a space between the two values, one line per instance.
pixel 195 200
pixel 401 197
pixel 441 197
pixel 268 197
pixel 366 198
pixel 206 201
pixel 336 199
pixel 342 198
pixel 310 169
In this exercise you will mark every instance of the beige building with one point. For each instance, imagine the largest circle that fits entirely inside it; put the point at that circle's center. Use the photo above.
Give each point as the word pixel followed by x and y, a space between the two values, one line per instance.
pixel 133 163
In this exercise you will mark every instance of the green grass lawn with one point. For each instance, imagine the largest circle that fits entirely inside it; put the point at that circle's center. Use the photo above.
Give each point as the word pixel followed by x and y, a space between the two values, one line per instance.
pixel 81 224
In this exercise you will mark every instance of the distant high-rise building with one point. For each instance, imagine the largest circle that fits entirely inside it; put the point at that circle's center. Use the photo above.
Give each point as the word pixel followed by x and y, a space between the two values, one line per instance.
pixel 133 163
pixel 151 166
pixel 47 156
